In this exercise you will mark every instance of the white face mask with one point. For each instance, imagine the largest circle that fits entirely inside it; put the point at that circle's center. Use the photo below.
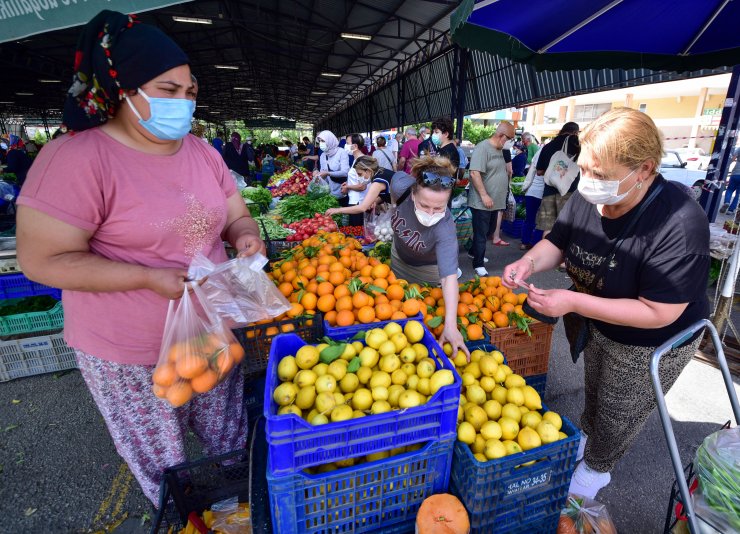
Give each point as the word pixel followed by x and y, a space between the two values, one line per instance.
pixel 322 146
pixel 509 144
pixel 349 149
pixel 603 191
pixel 426 219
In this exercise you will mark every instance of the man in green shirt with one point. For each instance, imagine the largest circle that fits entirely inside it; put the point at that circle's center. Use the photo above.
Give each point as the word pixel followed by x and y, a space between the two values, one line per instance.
pixel 490 188
pixel 532 147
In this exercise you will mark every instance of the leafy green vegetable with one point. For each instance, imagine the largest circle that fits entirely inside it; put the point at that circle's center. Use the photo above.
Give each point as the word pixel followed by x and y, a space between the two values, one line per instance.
pixel 297 207
pixel 274 230
pixel 28 305
pixel 258 195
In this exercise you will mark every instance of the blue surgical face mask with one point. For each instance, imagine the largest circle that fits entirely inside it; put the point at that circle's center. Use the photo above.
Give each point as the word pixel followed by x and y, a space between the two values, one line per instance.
pixel 436 139
pixel 322 146
pixel 169 118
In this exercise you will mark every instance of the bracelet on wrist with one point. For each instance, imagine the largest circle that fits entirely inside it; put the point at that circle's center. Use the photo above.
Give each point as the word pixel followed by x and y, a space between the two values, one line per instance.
pixel 531 264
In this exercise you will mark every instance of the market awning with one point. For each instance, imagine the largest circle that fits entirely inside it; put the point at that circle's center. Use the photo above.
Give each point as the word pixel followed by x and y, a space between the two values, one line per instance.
pixel 255 59
pixel 19 18
pixel 677 35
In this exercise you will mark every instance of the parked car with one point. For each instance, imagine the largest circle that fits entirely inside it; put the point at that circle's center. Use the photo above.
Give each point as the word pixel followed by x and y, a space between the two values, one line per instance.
pixel 695 158
pixel 673 168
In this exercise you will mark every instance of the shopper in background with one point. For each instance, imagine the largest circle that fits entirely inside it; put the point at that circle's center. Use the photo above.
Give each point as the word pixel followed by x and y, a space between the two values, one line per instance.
pixel 393 145
pixel 378 182
pixel 650 290
pixel 17 160
pixel 518 161
pixel 218 144
pixel 552 201
pixel 426 146
pixel 530 146
pixel 333 164
pixel 424 234
pixel 235 156
pixel 114 215
pixel 442 132
pixel 356 186
pixel 533 187
pixel 489 190
pixel 383 154
pixel 409 151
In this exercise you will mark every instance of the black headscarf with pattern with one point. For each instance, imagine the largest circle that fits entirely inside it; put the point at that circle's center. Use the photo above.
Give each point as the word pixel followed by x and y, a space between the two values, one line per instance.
pixel 114 53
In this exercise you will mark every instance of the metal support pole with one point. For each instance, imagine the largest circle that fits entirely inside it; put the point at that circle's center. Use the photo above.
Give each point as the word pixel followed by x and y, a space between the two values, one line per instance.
pixel 462 79
pixel 453 80
pixel 711 196
pixel 665 418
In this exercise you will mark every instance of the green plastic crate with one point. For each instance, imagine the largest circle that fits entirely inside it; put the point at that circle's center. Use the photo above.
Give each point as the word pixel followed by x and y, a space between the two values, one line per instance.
pixel 24 323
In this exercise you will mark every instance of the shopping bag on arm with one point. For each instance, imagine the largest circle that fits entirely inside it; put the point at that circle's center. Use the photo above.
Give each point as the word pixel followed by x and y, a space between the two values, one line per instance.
pixel 198 351
pixel 239 291
pixel 562 170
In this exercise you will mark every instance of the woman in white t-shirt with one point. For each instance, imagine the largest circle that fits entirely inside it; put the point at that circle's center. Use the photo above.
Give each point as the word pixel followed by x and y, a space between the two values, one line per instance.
pixel 356 186
pixel 534 187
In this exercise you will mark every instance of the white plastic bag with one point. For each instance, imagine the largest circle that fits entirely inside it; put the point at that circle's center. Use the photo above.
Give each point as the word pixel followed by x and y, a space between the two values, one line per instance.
pixel 197 350
pixel 460 200
pixel 510 214
pixel 239 179
pixel 239 290
pixel 717 467
pixel 562 170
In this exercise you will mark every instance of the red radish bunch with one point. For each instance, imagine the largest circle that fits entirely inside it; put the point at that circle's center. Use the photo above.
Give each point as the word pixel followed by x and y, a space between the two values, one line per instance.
pixel 295 185
pixel 307 227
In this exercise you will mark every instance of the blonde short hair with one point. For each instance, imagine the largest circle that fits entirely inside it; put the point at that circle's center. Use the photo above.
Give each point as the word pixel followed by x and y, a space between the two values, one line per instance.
pixel 367 163
pixel 623 136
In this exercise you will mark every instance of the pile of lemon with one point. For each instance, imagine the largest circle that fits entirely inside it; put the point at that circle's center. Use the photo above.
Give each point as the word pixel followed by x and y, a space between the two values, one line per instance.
pixel 329 383
pixel 499 413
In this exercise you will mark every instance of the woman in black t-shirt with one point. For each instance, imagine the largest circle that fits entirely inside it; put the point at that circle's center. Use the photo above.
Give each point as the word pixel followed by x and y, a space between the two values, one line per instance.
pixel 653 288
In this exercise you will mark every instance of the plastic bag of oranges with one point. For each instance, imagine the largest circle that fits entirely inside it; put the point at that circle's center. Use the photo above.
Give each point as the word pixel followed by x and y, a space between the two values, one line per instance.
pixel 239 291
pixel 198 351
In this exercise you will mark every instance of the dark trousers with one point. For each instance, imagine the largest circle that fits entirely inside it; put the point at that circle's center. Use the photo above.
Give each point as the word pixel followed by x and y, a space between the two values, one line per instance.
pixel 532 204
pixel 484 224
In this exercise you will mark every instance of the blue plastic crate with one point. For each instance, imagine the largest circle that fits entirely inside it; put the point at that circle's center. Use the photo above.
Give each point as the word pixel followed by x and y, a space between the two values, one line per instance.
pixel 513 229
pixel 13 286
pixel 381 496
pixel 348 332
pixel 538 382
pixel 504 495
pixel 295 444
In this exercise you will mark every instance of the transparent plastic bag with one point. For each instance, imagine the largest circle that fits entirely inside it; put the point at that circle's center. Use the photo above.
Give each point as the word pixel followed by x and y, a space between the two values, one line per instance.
pixel 377 222
pixel 198 351
pixel 510 214
pixel 231 517
pixel 318 186
pixel 239 290
pixel 717 467
pixel 239 179
pixel 585 516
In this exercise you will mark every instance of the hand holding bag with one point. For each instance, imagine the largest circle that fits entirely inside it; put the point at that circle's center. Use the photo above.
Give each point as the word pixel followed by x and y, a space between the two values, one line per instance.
pixel 576 325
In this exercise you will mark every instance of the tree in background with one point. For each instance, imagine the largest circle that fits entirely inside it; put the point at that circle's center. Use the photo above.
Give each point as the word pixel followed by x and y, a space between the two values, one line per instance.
pixel 475 133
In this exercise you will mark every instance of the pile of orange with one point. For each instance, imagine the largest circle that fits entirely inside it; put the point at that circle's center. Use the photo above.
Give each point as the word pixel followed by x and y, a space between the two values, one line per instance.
pixel 194 366
pixel 329 273
pixel 483 301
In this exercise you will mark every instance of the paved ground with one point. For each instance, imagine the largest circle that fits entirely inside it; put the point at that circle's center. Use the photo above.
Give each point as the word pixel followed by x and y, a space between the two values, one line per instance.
pixel 59 471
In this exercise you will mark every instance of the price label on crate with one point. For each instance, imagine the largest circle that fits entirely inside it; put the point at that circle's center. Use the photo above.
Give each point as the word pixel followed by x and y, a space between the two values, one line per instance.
pixel 524 484
pixel 36 343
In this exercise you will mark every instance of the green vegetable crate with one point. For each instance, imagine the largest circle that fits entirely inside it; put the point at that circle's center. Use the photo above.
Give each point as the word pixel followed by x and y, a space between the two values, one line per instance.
pixel 34 356
pixel 33 321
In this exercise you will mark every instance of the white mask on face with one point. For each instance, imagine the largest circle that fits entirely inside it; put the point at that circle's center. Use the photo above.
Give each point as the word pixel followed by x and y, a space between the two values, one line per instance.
pixel 509 144
pixel 426 219
pixel 603 191
pixel 349 149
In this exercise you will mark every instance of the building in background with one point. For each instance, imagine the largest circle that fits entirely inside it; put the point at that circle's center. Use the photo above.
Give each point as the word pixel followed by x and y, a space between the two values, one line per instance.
pixel 686 111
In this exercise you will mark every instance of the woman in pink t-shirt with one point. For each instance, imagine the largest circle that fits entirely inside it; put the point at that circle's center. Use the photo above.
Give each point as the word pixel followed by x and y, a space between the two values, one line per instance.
pixel 113 214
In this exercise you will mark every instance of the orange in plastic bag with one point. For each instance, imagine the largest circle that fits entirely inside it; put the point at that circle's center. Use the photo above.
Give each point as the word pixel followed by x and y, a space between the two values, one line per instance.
pixel 198 351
